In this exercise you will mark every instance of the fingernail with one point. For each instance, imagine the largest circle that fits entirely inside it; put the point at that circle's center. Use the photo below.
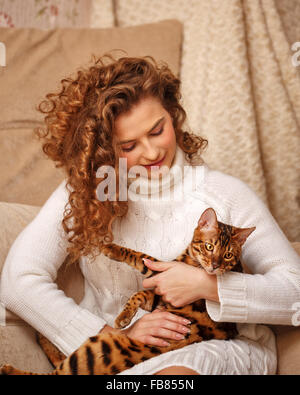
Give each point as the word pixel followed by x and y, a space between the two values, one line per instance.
pixel 181 337
pixel 166 343
pixel 187 322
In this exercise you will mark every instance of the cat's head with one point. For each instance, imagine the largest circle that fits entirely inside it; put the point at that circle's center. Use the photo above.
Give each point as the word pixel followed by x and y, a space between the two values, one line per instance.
pixel 217 246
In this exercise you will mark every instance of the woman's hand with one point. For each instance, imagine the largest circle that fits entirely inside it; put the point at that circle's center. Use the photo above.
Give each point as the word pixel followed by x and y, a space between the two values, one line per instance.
pixel 154 327
pixel 181 284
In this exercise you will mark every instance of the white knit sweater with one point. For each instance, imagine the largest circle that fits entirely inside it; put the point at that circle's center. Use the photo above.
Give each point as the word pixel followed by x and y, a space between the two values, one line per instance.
pixel 161 227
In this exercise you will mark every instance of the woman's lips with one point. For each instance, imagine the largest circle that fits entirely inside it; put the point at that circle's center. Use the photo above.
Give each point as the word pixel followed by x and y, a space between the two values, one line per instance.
pixel 156 163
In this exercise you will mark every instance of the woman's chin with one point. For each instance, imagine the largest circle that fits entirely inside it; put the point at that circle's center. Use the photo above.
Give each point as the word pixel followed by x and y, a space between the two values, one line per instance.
pixel 156 172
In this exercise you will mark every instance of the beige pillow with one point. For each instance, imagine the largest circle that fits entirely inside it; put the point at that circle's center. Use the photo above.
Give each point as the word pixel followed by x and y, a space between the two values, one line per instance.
pixel 36 62
pixel 18 347
pixel 288 349
pixel 13 219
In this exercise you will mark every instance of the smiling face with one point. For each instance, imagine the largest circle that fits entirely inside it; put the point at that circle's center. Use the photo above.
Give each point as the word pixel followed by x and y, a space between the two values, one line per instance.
pixel 145 135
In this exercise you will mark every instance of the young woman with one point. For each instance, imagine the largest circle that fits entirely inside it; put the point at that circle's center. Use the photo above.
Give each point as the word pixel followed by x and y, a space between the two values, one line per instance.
pixel 130 108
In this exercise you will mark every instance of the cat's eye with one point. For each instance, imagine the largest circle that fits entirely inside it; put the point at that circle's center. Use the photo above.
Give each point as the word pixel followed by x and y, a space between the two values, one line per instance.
pixel 228 255
pixel 209 246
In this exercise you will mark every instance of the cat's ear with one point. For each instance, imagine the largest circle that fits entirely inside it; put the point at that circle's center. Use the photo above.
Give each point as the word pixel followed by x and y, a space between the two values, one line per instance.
pixel 208 220
pixel 242 234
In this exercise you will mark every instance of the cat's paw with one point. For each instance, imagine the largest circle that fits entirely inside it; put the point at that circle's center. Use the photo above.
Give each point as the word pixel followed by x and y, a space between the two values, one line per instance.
pixel 106 250
pixel 122 321
pixel 6 370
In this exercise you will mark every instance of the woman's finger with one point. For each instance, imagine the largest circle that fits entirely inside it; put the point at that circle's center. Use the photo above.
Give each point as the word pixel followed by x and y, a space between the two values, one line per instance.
pixel 164 333
pixel 155 341
pixel 174 327
pixel 165 315
pixel 158 309
pixel 158 266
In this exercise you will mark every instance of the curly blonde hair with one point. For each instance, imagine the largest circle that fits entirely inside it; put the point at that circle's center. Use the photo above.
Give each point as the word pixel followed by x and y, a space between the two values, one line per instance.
pixel 79 137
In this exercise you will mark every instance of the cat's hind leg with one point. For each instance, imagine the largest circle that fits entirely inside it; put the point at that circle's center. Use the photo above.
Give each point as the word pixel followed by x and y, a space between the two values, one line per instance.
pixel 53 354
pixel 8 370
pixel 142 299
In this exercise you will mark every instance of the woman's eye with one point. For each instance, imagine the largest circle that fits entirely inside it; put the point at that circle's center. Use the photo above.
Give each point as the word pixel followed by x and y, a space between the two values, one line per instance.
pixel 157 133
pixel 209 246
pixel 128 149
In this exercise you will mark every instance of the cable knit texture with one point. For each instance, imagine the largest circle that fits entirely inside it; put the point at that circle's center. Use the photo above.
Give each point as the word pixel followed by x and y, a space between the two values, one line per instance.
pixel 240 90
pixel 162 227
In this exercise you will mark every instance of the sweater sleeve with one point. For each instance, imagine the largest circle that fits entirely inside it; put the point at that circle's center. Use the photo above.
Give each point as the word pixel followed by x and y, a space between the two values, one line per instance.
pixel 268 295
pixel 28 285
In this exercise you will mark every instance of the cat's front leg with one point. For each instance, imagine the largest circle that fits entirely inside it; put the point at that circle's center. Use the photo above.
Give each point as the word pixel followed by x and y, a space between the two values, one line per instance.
pixel 143 299
pixel 129 256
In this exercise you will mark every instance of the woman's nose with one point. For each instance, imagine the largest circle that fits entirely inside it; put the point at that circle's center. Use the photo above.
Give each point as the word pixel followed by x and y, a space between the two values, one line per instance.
pixel 150 152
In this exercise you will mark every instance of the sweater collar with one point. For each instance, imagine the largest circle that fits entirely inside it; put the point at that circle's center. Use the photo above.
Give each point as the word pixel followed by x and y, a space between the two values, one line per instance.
pixel 144 188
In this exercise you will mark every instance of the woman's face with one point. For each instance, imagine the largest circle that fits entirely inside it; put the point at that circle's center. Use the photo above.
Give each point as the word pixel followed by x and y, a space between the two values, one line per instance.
pixel 145 135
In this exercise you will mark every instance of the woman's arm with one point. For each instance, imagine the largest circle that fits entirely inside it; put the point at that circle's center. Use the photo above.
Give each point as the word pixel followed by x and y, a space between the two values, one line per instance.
pixel 28 285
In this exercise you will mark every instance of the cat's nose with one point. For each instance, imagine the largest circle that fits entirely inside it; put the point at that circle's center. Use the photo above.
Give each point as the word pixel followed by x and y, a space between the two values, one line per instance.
pixel 215 265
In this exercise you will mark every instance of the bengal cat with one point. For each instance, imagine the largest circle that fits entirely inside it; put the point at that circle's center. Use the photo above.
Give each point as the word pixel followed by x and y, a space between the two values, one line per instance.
pixel 215 247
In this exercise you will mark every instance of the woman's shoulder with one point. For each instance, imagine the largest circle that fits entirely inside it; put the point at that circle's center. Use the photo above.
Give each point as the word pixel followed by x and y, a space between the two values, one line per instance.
pixel 228 189
pixel 59 196
pixel 52 210
pixel 219 180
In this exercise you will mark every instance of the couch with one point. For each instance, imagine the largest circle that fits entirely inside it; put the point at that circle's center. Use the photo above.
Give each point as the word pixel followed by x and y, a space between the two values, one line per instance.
pixel 36 61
